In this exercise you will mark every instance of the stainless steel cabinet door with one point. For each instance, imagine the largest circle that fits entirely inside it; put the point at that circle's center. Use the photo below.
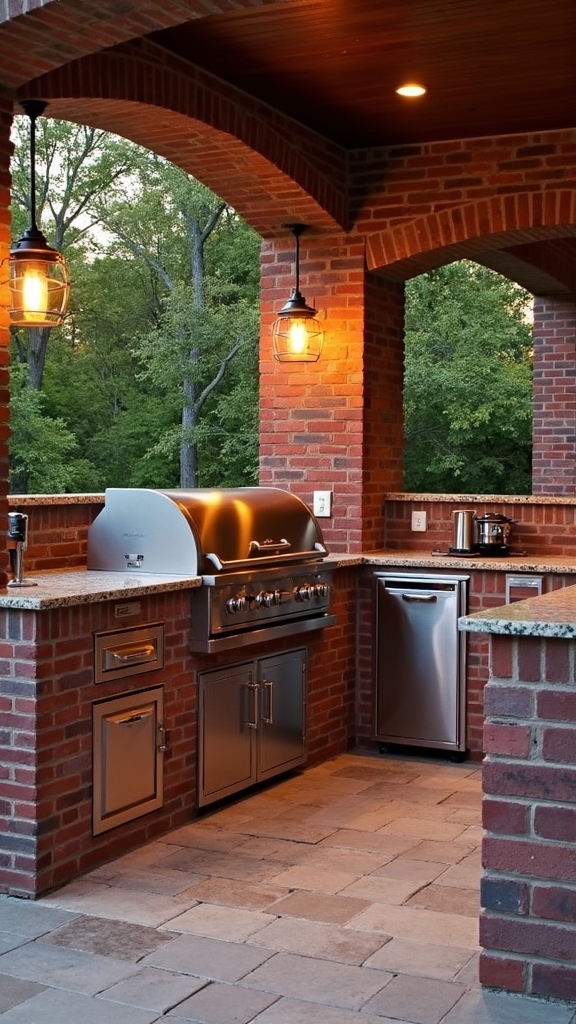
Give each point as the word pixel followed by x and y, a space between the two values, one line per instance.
pixel 281 743
pixel 419 695
pixel 228 710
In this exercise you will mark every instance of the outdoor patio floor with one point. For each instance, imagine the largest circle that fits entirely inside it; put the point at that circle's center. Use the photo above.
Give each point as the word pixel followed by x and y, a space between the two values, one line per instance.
pixel 346 894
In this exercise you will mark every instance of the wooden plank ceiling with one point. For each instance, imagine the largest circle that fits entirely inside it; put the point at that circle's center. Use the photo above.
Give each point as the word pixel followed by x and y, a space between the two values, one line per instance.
pixel 490 66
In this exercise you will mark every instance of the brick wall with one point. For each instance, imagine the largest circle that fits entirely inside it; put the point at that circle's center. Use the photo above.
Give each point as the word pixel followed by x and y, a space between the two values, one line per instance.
pixel 554 426
pixel 383 436
pixel 529 813
pixel 311 433
pixel 5 153
pixel 541 528
pixel 465 196
pixel 57 530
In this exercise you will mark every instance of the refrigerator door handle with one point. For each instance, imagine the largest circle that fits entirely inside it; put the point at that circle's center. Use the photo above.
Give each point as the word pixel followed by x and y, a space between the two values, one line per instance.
pixel 428 598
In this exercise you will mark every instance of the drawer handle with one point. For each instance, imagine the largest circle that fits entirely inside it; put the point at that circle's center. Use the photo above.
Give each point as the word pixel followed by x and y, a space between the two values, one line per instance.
pixel 427 598
pixel 130 719
pixel 139 654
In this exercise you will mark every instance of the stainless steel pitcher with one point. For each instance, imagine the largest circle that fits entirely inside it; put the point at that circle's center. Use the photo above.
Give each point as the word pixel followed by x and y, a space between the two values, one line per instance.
pixel 464 530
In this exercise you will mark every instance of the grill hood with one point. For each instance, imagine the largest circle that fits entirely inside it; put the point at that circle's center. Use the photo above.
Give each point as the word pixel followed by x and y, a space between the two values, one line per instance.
pixel 201 532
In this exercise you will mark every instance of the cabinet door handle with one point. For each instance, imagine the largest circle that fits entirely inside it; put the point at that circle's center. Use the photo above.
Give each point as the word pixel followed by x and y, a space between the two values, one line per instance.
pixel 131 719
pixel 164 737
pixel 254 723
pixel 427 598
pixel 267 686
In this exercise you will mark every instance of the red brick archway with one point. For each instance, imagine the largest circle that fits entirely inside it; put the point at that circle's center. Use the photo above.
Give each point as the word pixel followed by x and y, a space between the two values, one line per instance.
pixel 269 169
pixel 468 230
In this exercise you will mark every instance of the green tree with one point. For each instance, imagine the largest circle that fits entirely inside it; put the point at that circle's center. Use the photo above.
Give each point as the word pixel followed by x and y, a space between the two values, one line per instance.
pixel 206 306
pixel 44 456
pixel 156 364
pixel 468 383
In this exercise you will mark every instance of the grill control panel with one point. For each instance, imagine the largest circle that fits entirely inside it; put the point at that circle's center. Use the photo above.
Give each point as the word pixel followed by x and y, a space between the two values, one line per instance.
pixel 244 608
pixel 246 603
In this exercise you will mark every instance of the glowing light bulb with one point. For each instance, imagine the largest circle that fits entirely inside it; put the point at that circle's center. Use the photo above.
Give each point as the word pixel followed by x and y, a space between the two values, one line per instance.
pixel 297 337
pixel 34 292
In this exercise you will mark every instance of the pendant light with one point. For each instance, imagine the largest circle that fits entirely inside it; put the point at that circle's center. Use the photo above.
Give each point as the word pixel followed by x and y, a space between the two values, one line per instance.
pixel 39 282
pixel 297 335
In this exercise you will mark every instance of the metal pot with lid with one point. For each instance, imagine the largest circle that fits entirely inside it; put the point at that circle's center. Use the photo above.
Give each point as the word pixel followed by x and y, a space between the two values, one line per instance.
pixel 464 532
pixel 493 533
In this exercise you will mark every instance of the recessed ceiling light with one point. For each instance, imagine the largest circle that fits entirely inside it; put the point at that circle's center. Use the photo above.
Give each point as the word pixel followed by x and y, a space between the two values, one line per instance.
pixel 411 89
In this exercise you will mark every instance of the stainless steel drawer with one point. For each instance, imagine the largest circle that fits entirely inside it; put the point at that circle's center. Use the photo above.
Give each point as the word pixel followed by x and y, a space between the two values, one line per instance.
pixel 125 652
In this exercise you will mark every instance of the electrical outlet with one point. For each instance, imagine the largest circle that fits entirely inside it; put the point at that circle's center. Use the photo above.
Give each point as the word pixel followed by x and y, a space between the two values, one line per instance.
pixel 322 503
pixel 419 522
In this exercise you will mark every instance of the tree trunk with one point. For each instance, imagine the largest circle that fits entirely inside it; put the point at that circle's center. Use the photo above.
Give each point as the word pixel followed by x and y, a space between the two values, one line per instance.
pixel 188 458
pixel 39 337
pixel 198 237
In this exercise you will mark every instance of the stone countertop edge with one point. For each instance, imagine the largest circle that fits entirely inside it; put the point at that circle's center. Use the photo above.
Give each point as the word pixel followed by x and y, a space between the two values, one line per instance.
pixel 550 615
pixel 81 586
pixel 440 560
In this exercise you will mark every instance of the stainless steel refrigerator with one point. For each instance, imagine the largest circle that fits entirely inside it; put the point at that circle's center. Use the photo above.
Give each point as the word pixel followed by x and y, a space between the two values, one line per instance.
pixel 420 660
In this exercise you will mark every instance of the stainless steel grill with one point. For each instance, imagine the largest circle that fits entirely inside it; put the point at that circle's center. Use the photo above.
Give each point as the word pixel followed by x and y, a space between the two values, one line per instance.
pixel 259 551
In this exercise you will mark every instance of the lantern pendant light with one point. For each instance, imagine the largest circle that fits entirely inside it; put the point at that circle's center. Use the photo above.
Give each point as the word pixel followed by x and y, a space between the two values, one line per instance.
pixel 297 335
pixel 39 282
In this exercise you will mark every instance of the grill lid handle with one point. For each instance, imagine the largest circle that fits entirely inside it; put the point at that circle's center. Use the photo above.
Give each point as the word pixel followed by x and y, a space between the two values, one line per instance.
pixel 268 547
pixel 287 558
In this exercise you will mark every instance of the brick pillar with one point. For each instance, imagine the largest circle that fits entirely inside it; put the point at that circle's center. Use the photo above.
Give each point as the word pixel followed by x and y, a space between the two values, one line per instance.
pixel 5 153
pixel 383 402
pixel 554 430
pixel 529 813
pixel 335 424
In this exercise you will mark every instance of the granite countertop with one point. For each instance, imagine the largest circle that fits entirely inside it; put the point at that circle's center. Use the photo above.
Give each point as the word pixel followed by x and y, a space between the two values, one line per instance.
pixel 82 586
pixel 552 615
pixel 443 560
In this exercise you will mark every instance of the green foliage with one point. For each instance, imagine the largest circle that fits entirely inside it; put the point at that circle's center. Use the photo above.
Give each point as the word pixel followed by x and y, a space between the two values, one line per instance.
pixel 45 456
pixel 468 383
pixel 153 328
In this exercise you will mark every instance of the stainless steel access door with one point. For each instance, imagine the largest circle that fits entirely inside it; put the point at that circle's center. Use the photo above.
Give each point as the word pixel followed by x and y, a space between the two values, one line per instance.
pixel 420 660
pixel 129 742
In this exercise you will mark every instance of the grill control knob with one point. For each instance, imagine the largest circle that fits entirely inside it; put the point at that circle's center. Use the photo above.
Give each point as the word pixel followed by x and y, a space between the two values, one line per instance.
pixel 304 593
pixel 235 604
pixel 266 598
pixel 321 590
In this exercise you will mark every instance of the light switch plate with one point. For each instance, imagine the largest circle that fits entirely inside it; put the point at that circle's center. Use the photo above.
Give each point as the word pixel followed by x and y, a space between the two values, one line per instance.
pixel 419 522
pixel 322 504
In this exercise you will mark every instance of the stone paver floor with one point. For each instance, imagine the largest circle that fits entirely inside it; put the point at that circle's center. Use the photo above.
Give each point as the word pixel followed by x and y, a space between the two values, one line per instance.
pixel 347 894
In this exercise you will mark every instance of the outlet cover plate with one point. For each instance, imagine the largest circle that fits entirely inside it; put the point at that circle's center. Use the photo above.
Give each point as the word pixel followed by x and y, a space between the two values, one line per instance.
pixel 322 504
pixel 419 522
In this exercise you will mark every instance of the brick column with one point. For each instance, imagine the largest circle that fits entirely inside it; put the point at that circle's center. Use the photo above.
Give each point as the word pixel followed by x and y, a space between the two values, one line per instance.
pixel 335 424
pixel 554 429
pixel 529 811
pixel 5 153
